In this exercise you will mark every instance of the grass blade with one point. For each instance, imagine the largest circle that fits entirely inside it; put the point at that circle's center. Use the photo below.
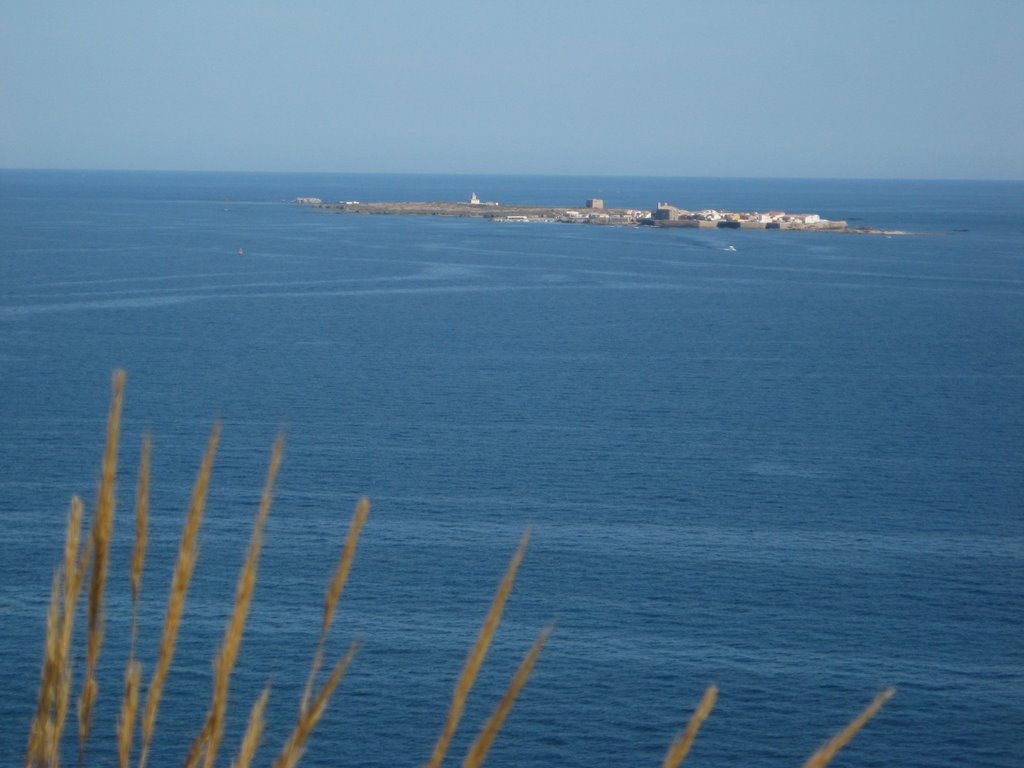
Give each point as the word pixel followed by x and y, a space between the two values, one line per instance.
pixel 334 589
pixel 681 745
pixel 829 749
pixel 39 736
pixel 243 598
pixel 75 564
pixel 478 751
pixel 129 708
pixel 102 525
pixel 476 656
pixel 179 586
pixel 309 715
pixel 141 525
pixel 253 732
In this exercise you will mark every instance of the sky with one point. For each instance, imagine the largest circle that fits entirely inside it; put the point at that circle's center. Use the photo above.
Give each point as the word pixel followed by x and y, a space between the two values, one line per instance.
pixel 918 89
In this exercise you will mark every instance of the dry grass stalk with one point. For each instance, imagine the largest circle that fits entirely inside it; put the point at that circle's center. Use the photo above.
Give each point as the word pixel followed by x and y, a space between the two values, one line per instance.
pixel 309 715
pixel 85 701
pixel 334 590
pixel 829 749
pixel 55 683
pixel 179 586
pixel 40 732
pixel 141 524
pixel 681 745
pixel 129 708
pixel 478 751
pixel 72 534
pixel 243 598
pixel 102 524
pixel 133 670
pixel 75 564
pixel 253 732
pixel 476 656
pixel 197 746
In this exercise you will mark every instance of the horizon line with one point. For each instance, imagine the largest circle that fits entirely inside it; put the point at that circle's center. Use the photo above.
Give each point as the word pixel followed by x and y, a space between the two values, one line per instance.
pixel 8 169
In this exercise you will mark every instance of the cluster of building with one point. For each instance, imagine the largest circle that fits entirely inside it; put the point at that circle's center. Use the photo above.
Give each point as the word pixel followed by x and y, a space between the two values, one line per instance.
pixel 617 216
pixel 666 214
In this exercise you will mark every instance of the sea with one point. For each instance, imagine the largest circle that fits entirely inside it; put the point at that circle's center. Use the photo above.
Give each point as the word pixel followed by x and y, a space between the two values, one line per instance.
pixel 792 470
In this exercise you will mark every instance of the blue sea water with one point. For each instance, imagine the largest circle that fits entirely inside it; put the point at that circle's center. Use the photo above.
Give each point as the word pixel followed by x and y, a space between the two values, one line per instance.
pixel 793 470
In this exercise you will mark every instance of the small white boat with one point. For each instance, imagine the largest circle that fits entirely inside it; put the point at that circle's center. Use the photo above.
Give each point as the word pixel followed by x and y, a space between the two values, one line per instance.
pixel 241 252
pixel 729 248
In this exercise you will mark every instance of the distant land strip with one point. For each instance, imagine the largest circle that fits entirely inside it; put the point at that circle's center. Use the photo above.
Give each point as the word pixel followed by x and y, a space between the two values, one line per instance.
pixel 594 212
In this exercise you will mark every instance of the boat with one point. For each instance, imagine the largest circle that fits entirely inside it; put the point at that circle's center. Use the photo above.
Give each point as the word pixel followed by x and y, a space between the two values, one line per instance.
pixel 241 252
pixel 729 248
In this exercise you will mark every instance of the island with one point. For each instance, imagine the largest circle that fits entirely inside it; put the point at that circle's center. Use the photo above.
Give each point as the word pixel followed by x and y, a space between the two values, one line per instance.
pixel 594 212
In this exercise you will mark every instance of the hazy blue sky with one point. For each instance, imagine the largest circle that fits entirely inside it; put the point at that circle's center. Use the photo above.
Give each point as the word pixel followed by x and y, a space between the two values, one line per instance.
pixel 862 88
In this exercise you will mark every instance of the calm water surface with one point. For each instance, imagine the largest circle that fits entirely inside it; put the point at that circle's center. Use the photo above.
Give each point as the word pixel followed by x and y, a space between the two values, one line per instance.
pixel 792 470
